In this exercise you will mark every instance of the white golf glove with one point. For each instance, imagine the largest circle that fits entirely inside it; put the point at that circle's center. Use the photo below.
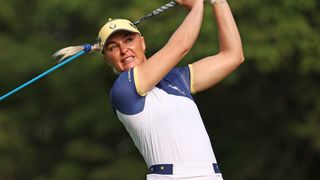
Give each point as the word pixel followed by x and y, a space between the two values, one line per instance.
pixel 210 1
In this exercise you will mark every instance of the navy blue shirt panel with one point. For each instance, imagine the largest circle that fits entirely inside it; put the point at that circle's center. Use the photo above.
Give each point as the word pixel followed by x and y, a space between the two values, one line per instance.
pixel 124 96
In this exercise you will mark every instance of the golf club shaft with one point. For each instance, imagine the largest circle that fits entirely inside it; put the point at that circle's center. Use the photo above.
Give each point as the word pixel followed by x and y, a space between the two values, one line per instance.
pixel 42 75
pixel 156 12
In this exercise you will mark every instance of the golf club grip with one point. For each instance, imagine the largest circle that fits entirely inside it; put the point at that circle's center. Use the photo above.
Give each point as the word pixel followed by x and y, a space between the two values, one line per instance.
pixel 156 12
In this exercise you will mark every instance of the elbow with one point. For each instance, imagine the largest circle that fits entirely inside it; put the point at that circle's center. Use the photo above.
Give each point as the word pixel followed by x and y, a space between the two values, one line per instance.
pixel 239 60
pixel 239 57
pixel 234 54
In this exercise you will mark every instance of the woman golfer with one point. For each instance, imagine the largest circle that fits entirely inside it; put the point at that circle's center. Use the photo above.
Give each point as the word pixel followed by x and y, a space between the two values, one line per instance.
pixel 152 97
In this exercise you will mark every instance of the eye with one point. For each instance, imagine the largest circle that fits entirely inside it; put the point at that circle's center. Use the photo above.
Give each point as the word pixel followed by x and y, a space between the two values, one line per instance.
pixel 111 47
pixel 129 39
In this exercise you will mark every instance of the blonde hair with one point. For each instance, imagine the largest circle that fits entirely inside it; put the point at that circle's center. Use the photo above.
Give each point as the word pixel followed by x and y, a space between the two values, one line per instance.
pixel 72 50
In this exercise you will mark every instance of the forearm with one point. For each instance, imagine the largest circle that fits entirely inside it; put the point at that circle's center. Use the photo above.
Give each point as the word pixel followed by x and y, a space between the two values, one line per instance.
pixel 229 37
pixel 186 34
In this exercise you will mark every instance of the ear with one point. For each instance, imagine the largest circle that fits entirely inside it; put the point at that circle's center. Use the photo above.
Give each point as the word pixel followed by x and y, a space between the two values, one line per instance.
pixel 143 44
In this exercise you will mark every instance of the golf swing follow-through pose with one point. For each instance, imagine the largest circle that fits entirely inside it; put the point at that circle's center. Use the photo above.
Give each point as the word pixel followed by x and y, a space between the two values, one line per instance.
pixel 153 98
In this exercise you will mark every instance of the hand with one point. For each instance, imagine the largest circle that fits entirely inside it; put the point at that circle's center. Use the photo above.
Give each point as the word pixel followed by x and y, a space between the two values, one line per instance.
pixel 189 3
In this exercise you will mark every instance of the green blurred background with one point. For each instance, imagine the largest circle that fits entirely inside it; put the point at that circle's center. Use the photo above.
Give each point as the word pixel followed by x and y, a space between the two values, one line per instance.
pixel 263 120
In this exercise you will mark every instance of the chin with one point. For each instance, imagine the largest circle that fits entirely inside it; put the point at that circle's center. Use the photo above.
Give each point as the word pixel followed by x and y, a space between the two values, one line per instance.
pixel 129 66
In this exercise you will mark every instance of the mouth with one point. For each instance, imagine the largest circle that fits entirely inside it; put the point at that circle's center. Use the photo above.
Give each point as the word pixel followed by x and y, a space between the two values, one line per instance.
pixel 128 59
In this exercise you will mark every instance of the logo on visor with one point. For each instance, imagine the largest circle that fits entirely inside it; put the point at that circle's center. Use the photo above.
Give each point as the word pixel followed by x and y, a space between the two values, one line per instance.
pixel 112 26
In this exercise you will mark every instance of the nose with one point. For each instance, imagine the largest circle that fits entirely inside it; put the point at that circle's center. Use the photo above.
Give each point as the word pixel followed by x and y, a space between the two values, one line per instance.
pixel 123 49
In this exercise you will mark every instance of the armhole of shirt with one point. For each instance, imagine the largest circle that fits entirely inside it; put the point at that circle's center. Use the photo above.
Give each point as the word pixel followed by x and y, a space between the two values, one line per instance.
pixel 191 79
pixel 136 82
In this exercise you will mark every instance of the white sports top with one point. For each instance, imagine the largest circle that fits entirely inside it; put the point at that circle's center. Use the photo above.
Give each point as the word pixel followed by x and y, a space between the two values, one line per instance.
pixel 165 123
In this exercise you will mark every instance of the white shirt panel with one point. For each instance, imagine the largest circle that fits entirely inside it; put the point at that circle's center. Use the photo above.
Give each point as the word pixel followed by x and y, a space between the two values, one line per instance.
pixel 169 130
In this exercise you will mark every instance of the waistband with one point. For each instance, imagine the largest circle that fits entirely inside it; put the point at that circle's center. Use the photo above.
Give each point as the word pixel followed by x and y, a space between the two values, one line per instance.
pixel 170 169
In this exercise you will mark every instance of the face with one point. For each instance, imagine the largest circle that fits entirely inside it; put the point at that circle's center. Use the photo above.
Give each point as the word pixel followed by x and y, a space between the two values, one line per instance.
pixel 125 50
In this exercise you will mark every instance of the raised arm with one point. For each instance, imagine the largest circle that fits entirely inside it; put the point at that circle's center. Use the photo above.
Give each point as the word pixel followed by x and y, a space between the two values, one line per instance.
pixel 156 67
pixel 210 70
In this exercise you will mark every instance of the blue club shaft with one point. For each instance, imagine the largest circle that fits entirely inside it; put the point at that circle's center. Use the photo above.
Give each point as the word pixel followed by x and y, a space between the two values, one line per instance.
pixel 43 74
pixel 87 48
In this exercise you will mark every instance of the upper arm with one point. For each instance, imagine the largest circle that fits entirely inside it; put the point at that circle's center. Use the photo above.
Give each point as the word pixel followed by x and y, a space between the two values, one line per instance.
pixel 209 71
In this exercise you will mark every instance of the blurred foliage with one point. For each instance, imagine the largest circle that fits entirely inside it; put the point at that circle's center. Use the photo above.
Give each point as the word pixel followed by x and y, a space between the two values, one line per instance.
pixel 263 119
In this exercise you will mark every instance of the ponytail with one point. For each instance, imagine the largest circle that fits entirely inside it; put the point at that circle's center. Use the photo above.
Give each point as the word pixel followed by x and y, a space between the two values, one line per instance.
pixel 72 50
